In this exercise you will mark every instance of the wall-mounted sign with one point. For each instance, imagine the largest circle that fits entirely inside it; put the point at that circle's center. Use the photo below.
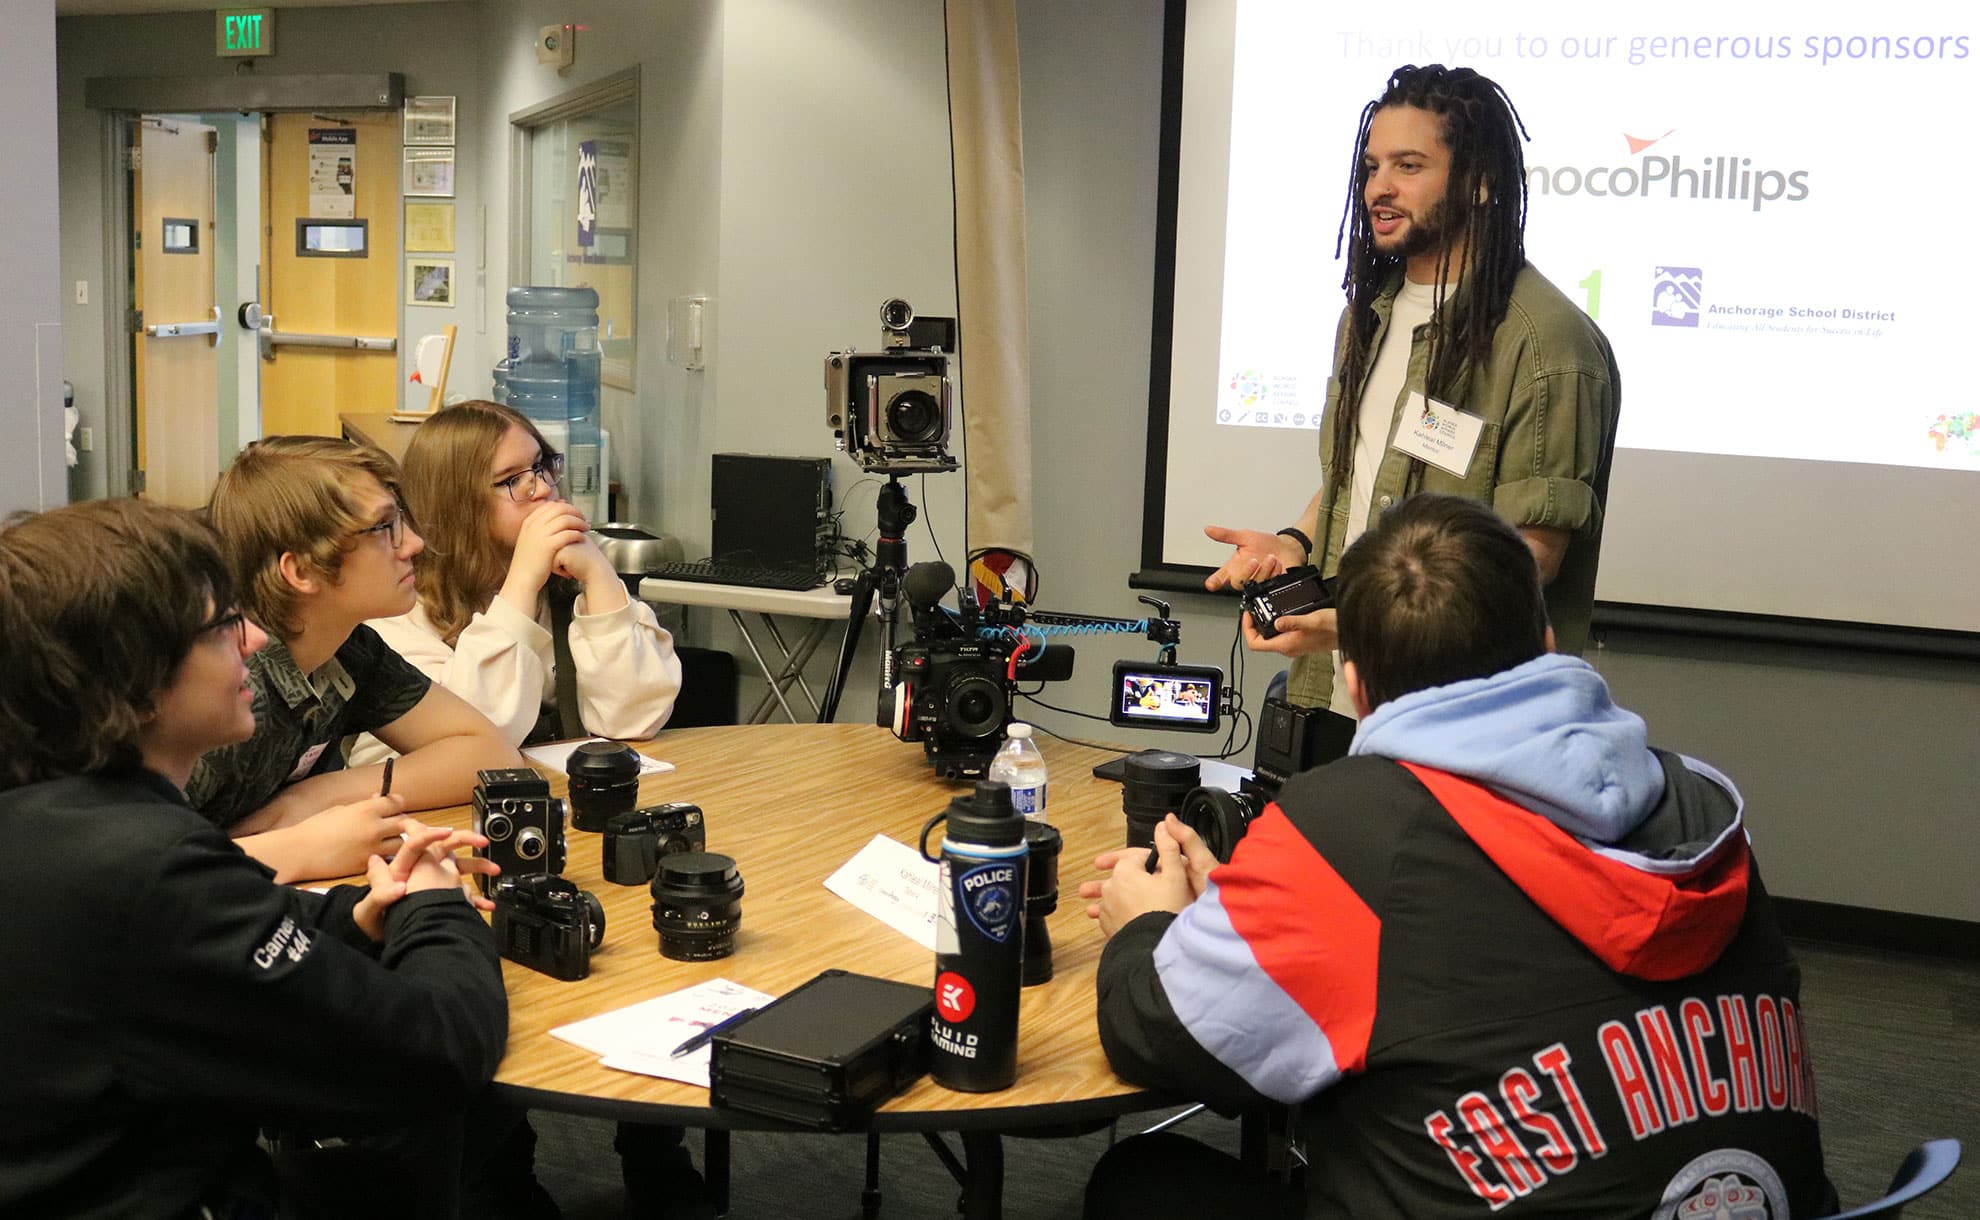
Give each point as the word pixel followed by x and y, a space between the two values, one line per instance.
pixel 244 31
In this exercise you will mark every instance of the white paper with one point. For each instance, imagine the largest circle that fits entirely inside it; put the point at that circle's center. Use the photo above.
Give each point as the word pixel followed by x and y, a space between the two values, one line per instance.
pixel 891 882
pixel 557 754
pixel 641 1037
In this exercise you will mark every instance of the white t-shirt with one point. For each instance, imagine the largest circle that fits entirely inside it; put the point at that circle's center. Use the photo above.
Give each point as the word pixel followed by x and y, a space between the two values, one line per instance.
pixel 1374 423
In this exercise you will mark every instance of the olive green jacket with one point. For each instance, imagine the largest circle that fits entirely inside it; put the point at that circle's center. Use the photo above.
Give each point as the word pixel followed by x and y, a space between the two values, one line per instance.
pixel 1549 394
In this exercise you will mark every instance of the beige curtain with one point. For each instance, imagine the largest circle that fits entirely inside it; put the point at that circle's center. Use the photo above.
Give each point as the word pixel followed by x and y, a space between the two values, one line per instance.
pixel 987 144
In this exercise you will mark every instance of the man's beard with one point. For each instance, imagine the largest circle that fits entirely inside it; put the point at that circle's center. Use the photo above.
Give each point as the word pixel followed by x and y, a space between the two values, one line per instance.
pixel 1423 236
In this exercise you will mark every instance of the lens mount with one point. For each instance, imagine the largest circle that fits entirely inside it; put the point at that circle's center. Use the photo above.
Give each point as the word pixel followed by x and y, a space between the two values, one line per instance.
pixel 974 705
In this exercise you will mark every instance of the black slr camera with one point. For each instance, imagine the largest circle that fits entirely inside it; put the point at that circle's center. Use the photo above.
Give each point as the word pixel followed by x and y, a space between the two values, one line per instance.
pixel 523 823
pixel 548 924
pixel 635 841
pixel 890 410
pixel 1291 739
pixel 954 697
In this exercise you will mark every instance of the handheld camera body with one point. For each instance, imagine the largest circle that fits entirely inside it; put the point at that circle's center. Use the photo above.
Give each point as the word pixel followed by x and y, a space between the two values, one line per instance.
pixel 953 695
pixel 634 842
pixel 1291 739
pixel 1294 591
pixel 523 823
pixel 548 924
pixel 892 411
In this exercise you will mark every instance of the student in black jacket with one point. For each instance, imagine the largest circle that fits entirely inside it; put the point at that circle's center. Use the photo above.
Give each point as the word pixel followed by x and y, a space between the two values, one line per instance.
pixel 164 998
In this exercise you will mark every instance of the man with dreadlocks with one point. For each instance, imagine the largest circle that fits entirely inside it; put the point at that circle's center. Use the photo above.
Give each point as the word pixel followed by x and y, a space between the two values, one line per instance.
pixel 1458 367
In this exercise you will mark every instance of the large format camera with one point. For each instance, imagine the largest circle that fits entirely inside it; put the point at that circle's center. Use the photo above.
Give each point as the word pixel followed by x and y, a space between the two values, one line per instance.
pixel 890 410
pixel 548 924
pixel 523 823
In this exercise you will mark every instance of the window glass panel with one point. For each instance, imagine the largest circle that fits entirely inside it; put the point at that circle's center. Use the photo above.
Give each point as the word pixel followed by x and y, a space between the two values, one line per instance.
pixel 583 211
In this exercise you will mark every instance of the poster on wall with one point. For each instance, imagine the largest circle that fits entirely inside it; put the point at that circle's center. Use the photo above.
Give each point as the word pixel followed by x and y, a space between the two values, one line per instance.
pixel 430 281
pixel 604 197
pixel 332 173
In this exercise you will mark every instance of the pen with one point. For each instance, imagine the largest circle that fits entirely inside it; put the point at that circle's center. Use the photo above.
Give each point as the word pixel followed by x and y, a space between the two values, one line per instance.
pixel 707 1035
pixel 385 785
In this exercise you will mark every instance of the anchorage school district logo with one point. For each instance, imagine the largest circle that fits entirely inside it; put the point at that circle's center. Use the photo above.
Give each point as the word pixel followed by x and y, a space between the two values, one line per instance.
pixel 990 897
pixel 1678 296
pixel 1730 1184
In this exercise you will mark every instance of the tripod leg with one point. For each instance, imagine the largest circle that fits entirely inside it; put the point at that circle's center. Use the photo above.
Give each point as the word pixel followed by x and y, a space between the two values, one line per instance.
pixel 862 603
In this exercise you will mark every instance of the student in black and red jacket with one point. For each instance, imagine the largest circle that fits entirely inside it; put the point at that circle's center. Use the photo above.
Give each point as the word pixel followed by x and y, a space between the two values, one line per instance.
pixel 1508 958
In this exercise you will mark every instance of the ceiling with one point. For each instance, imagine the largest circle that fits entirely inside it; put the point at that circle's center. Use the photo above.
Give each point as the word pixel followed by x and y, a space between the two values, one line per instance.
pixel 107 8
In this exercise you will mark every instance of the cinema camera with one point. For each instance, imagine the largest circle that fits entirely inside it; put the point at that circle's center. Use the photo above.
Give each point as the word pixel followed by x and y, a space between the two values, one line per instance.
pixel 890 410
pixel 523 823
pixel 955 683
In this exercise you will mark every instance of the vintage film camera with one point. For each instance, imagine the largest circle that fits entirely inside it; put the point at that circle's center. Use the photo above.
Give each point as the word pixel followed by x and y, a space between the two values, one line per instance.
pixel 1291 739
pixel 548 924
pixel 523 823
pixel 890 410
pixel 635 841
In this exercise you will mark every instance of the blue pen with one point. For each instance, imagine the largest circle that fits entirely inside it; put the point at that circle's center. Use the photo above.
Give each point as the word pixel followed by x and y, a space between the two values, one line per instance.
pixel 707 1035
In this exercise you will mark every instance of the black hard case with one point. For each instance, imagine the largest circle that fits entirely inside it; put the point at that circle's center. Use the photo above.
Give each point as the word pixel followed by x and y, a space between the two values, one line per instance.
pixel 824 1054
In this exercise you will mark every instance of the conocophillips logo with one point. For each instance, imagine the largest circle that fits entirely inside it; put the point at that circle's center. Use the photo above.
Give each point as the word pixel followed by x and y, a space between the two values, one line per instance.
pixel 1710 179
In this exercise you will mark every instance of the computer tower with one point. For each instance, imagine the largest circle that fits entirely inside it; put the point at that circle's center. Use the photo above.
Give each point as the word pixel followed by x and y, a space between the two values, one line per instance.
pixel 770 511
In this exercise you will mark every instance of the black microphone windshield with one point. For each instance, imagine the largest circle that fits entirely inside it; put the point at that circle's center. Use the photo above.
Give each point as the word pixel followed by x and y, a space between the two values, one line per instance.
pixel 926 584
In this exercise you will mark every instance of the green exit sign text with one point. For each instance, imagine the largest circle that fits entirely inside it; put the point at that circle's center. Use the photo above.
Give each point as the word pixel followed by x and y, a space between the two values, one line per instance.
pixel 244 31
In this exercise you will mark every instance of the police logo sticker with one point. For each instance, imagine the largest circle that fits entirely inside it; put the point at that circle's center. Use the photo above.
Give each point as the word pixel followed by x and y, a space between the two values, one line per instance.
pixel 989 894
pixel 1729 1184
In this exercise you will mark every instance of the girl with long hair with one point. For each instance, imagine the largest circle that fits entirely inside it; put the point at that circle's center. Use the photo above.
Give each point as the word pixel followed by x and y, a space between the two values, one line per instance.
pixel 501 546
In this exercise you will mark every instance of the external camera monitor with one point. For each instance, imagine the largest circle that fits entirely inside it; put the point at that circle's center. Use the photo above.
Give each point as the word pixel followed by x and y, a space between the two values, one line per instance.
pixel 1152 696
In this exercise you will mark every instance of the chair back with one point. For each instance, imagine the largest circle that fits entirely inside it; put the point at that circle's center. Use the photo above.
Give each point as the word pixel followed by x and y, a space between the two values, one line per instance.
pixel 1924 1167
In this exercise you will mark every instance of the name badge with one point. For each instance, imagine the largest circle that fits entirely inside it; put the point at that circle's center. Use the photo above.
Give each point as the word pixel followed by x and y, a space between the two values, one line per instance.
pixel 1438 433
pixel 307 761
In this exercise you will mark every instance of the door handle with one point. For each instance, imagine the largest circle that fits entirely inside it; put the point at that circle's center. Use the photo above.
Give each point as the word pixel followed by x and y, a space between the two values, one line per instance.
pixel 174 330
pixel 272 339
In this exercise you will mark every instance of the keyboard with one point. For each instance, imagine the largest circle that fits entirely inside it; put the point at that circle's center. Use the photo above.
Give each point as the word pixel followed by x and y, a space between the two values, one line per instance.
pixel 755 576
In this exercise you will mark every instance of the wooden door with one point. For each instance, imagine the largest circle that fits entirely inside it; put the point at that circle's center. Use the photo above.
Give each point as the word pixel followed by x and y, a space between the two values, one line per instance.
pixel 316 189
pixel 175 341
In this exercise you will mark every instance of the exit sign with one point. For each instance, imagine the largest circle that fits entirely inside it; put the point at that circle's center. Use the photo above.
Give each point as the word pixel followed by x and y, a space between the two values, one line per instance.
pixel 244 31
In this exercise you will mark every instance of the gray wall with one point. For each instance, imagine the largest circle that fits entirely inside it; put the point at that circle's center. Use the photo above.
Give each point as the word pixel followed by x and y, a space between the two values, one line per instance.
pixel 432 45
pixel 31 463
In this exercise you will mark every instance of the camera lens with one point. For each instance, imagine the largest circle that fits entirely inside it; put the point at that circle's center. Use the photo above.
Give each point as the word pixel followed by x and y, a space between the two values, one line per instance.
pixel 530 843
pixel 1220 818
pixel 1041 898
pixel 976 706
pixel 497 827
pixel 895 314
pixel 1153 784
pixel 914 417
pixel 604 782
pixel 697 906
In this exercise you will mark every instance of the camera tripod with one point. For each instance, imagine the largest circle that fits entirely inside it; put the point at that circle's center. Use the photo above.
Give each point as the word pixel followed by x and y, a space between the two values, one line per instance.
pixel 895 514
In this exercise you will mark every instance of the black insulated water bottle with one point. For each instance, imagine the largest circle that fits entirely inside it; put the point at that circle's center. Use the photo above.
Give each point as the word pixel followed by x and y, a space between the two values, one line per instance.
pixel 979 941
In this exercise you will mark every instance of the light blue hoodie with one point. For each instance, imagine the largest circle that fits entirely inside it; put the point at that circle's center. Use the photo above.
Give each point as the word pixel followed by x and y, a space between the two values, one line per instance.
pixel 1544 735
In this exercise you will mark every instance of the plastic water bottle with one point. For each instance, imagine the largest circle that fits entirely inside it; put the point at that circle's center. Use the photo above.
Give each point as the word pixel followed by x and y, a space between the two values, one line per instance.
pixel 553 375
pixel 979 941
pixel 1020 764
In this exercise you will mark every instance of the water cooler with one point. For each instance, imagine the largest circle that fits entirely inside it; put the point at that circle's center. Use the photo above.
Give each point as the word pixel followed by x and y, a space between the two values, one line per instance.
pixel 552 377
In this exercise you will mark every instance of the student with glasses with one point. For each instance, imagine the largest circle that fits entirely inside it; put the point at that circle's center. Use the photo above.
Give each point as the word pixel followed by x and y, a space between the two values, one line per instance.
pixel 319 540
pixel 507 564
pixel 164 997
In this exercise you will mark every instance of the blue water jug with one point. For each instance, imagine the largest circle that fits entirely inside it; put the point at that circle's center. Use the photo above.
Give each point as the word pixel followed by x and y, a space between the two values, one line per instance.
pixel 553 374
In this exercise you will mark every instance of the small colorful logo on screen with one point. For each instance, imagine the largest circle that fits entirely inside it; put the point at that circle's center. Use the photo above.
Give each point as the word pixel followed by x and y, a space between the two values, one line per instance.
pixel 1247 388
pixel 1677 296
pixel 1956 433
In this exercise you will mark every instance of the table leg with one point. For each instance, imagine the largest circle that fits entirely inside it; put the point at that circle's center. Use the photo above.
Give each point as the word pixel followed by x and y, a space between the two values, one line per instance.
pixel 761 712
pixel 794 661
pixel 983 1194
